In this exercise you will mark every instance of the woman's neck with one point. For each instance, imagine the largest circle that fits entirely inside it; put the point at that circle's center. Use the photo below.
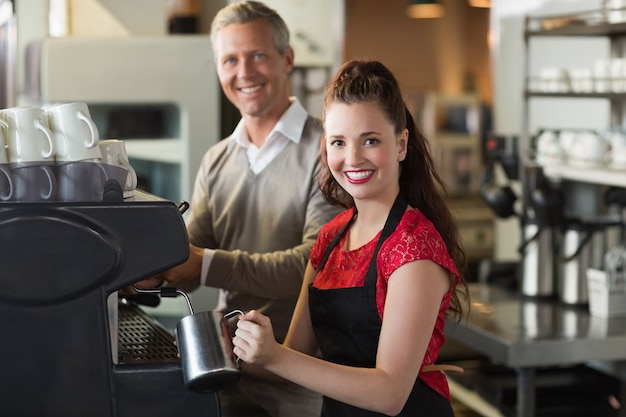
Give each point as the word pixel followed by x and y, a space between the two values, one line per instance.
pixel 371 217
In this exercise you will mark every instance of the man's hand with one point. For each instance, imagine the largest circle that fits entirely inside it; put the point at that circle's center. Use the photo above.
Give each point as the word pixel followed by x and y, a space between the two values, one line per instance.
pixel 185 276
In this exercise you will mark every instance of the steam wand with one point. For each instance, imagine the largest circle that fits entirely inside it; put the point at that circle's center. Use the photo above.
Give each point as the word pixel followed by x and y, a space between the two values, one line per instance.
pixel 170 292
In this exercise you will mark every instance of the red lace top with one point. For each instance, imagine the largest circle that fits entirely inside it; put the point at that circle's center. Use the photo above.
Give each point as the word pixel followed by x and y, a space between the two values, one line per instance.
pixel 415 238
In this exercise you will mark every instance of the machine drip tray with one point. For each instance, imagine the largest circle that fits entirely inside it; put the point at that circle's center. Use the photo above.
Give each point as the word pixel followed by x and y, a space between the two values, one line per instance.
pixel 142 340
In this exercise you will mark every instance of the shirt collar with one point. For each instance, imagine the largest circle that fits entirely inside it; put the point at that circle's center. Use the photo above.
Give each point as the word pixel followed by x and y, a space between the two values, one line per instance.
pixel 290 125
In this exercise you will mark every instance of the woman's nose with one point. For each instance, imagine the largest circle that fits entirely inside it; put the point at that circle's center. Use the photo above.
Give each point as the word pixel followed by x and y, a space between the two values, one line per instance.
pixel 353 155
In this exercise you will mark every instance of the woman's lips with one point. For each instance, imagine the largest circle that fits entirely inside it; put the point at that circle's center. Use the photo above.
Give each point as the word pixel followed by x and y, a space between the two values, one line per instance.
pixel 358 177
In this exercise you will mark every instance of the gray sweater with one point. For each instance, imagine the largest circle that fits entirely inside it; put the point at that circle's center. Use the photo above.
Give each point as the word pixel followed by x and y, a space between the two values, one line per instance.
pixel 262 225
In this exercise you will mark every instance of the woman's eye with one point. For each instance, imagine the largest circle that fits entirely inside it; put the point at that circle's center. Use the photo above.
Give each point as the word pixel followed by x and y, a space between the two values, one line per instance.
pixel 336 143
pixel 371 141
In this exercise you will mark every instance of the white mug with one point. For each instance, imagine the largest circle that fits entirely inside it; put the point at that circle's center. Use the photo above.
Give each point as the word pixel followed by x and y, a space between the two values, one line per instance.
pixel 81 181
pixel 33 183
pixel 588 149
pixel 114 153
pixel 566 140
pixel 27 134
pixel 76 135
pixel 617 140
pixel 549 149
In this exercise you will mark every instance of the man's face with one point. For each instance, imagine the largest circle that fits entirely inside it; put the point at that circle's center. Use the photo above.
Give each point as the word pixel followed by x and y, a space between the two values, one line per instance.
pixel 253 74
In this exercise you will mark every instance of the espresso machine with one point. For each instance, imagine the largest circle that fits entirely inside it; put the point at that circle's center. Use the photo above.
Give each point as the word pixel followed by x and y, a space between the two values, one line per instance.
pixel 69 347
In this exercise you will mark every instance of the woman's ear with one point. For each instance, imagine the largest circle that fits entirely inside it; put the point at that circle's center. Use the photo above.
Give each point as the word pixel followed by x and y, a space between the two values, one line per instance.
pixel 403 143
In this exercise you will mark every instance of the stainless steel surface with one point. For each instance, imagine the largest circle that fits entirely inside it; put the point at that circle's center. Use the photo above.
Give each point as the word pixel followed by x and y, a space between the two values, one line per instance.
pixel 538 265
pixel 527 333
pixel 206 351
pixel 521 331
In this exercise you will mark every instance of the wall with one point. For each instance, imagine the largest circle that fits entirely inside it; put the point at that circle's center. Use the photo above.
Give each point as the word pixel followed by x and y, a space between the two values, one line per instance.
pixel 442 54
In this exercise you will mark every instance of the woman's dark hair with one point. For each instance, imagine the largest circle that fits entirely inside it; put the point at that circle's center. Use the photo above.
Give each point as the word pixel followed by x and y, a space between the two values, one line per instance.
pixel 364 81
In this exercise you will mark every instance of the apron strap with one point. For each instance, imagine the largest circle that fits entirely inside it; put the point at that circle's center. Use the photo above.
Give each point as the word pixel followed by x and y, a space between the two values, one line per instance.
pixel 395 215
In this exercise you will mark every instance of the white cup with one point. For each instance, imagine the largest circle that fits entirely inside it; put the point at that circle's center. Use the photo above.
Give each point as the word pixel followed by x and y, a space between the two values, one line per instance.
pixel 602 75
pixel 76 135
pixel 33 183
pixel 114 153
pixel 618 70
pixel 588 149
pixel 81 181
pixel 27 134
pixel 617 140
pixel 549 149
pixel 566 140
pixel 6 183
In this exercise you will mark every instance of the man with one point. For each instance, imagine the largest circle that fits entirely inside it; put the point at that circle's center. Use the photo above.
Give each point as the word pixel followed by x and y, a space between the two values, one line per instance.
pixel 256 207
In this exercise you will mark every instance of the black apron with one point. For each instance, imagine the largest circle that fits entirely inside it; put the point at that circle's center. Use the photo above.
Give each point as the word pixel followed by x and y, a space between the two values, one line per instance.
pixel 347 327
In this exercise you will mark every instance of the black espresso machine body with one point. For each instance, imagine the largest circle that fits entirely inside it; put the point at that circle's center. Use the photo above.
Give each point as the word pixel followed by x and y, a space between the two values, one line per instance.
pixel 59 262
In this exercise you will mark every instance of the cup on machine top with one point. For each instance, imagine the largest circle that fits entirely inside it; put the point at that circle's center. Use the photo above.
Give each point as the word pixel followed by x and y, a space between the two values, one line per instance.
pixel 75 133
pixel 28 138
pixel 114 153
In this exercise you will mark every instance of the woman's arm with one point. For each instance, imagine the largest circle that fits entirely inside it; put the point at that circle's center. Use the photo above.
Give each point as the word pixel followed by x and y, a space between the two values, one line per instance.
pixel 413 300
pixel 300 335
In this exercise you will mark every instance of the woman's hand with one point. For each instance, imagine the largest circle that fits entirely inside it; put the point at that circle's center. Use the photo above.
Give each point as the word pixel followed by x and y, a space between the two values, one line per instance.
pixel 254 340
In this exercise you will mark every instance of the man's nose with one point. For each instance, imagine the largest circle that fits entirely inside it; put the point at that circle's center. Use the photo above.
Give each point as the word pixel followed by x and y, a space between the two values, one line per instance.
pixel 246 67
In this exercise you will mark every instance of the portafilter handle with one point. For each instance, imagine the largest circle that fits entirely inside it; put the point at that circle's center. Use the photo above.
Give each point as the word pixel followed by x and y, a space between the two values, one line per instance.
pixel 166 292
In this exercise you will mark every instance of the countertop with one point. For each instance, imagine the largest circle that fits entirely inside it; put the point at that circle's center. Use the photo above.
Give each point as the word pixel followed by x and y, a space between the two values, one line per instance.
pixel 520 331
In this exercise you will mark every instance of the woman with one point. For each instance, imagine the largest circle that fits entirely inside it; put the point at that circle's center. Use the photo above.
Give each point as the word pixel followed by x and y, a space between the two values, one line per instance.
pixel 382 274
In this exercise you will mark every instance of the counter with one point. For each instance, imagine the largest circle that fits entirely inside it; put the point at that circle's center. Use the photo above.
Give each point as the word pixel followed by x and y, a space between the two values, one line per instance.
pixel 528 333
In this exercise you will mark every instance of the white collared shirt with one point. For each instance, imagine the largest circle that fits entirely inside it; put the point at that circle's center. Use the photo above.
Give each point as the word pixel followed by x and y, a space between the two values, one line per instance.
pixel 288 128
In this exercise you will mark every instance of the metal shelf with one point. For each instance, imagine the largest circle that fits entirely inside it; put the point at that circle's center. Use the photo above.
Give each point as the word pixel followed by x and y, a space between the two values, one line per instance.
pixel 588 23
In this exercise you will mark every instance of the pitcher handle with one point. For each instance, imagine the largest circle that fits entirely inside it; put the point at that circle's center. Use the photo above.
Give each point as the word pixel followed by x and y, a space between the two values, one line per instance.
pixel 227 316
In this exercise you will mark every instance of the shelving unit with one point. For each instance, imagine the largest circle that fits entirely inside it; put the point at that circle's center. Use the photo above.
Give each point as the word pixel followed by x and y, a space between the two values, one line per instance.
pixel 573 26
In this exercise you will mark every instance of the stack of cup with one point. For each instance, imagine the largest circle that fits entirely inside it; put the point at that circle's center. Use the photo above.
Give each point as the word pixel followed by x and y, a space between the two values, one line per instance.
pixel 80 176
pixel 30 151
pixel 55 154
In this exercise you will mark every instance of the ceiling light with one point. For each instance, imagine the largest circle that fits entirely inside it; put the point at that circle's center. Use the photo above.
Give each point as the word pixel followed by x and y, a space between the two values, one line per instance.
pixel 480 3
pixel 424 9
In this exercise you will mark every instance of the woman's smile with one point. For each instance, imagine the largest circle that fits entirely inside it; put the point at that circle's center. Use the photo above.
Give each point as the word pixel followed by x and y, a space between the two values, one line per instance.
pixel 360 176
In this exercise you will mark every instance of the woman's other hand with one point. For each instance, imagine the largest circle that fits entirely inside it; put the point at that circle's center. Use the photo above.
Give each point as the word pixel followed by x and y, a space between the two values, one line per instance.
pixel 254 340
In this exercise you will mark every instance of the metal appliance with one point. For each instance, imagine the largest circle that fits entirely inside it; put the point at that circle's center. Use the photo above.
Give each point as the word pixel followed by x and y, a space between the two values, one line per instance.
pixel 69 348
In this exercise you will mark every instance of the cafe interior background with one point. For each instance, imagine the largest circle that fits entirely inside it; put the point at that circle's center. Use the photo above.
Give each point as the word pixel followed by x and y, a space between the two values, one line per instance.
pixel 145 69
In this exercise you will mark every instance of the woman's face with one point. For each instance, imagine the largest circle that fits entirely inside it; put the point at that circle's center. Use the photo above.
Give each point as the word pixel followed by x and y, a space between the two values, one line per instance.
pixel 363 151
